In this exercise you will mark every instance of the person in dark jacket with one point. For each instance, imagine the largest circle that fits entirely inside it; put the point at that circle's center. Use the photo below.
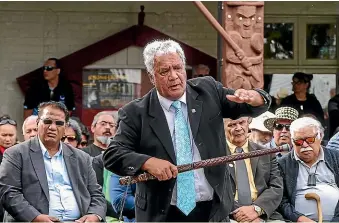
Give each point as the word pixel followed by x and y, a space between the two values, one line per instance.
pixel 333 114
pixel 301 100
pixel 309 168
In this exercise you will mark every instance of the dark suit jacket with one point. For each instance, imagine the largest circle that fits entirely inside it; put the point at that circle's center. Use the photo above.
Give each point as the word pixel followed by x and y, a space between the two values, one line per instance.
pixel 98 167
pixel 24 187
pixel 289 169
pixel 143 133
pixel 268 182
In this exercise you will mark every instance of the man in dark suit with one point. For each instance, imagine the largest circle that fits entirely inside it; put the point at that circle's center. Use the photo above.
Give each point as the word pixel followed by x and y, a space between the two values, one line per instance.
pixel 45 180
pixel 178 122
pixel 256 182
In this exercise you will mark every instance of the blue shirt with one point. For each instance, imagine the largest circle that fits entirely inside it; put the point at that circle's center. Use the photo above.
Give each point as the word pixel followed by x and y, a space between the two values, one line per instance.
pixel 62 202
pixel 117 195
pixel 334 142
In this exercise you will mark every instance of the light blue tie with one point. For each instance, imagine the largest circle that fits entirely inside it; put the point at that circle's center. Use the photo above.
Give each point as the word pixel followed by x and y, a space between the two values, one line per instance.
pixel 185 181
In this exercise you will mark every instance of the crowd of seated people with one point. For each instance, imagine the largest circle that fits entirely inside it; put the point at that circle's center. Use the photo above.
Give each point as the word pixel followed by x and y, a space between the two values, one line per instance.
pixel 57 172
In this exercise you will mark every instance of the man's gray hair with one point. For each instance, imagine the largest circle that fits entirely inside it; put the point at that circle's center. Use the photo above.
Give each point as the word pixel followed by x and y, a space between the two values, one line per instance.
pixel 198 67
pixel 26 120
pixel 76 128
pixel 304 122
pixel 158 48
pixel 114 114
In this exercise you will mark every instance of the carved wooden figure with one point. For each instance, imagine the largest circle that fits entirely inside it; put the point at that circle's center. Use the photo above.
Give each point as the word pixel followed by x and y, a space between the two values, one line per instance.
pixel 244 24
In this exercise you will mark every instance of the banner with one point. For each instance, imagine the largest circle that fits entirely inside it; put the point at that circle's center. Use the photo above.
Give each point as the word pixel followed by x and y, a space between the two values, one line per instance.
pixel 110 88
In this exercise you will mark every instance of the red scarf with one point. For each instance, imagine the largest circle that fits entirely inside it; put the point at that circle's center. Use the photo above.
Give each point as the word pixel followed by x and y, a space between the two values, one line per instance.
pixel 2 150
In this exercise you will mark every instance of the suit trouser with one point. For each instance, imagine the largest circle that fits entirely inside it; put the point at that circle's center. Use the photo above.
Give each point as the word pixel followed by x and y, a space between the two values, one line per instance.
pixel 200 213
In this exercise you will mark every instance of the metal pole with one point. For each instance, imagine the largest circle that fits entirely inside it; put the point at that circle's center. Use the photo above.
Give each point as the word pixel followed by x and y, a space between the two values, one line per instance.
pixel 219 42
pixel 337 53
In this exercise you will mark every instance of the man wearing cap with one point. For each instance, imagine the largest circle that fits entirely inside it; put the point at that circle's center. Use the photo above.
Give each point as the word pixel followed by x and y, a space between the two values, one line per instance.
pixel 259 133
pixel 280 125
pixel 256 183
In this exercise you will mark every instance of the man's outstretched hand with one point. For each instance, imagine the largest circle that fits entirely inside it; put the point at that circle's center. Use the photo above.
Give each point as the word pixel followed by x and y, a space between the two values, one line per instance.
pixel 250 97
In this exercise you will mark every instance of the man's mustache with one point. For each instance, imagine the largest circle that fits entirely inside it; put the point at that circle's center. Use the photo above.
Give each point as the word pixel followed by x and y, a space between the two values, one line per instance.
pixel 107 131
pixel 284 135
pixel 306 149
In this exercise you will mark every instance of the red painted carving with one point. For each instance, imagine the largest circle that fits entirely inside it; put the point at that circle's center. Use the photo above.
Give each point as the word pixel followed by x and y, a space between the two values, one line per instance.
pixel 244 24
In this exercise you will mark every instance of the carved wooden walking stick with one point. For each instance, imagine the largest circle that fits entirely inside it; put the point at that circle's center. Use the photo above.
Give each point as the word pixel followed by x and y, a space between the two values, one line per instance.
pixel 314 196
pixel 217 26
pixel 206 163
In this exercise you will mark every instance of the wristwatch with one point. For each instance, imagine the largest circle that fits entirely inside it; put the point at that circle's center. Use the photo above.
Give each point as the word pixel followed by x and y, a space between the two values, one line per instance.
pixel 265 96
pixel 258 210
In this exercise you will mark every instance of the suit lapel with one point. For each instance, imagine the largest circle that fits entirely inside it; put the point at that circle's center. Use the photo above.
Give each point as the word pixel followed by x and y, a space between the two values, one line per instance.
pixel 71 164
pixel 254 160
pixel 232 172
pixel 194 109
pixel 159 125
pixel 294 173
pixel 39 165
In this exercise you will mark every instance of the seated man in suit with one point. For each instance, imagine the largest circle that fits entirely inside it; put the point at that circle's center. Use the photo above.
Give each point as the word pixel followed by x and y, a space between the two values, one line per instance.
pixel 256 182
pixel 309 168
pixel 45 180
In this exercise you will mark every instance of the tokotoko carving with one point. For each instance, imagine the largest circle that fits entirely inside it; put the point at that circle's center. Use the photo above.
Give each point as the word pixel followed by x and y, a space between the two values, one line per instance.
pixel 244 24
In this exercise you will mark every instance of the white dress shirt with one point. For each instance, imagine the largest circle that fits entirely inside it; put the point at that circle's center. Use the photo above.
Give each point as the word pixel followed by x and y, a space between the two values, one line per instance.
pixel 203 190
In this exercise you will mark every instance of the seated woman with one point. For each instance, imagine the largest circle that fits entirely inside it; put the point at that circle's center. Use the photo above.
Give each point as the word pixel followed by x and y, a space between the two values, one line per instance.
pixel 119 197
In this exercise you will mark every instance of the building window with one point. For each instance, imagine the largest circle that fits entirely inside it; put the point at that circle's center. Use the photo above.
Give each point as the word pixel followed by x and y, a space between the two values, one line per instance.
pixel 321 41
pixel 110 88
pixel 278 41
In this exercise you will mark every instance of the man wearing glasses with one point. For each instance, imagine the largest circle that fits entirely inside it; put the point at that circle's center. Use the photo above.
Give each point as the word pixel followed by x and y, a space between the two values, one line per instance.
pixel 52 87
pixel 280 125
pixel 309 168
pixel 45 180
pixel 103 128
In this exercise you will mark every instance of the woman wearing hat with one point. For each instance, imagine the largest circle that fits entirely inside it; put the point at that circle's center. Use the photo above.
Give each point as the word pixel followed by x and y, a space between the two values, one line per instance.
pixel 301 100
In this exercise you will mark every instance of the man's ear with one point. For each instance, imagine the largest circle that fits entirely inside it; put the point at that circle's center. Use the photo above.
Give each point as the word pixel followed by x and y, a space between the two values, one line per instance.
pixel 249 120
pixel 92 128
pixel 58 70
pixel 151 78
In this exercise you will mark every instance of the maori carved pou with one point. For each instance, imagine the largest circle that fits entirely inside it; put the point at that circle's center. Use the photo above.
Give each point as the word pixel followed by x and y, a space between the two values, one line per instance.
pixel 244 24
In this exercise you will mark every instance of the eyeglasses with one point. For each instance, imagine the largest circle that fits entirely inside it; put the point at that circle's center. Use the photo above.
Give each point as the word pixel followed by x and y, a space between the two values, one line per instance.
pixel 83 143
pixel 69 138
pixel 280 127
pixel 8 121
pixel 308 140
pixel 50 122
pixel 49 68
pixel 110 124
